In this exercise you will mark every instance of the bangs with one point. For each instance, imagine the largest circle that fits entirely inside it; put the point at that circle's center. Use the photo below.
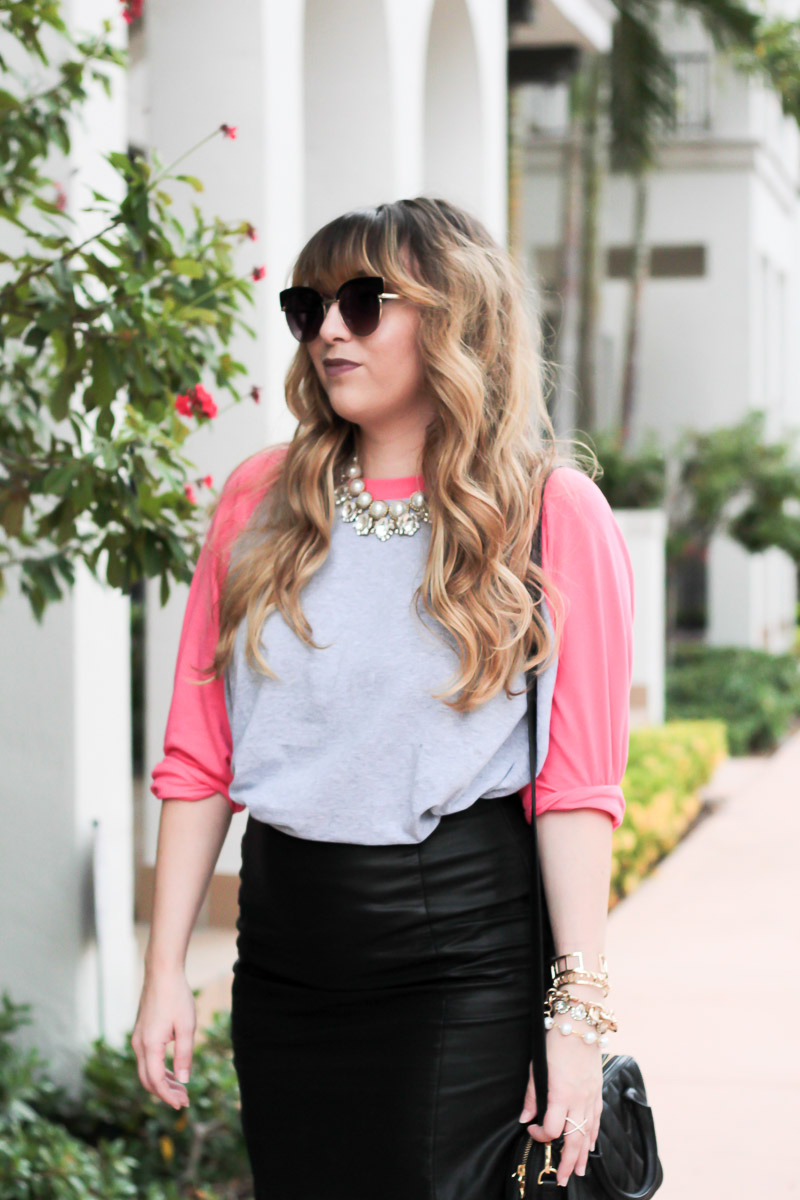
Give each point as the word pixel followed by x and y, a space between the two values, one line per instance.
pixel 362 242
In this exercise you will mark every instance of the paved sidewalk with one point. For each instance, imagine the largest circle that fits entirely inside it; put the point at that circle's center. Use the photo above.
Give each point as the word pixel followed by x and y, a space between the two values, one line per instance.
pixel 704 959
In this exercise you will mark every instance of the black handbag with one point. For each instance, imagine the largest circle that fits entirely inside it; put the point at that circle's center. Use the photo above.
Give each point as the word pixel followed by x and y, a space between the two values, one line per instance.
pixel 624 1164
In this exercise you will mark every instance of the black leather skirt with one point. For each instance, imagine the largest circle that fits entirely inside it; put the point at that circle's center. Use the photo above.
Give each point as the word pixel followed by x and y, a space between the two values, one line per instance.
pixel 381 1009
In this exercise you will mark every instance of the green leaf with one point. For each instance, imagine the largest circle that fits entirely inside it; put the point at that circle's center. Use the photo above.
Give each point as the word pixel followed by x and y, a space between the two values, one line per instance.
pixel 15 324
pixel 102 388
pixel 119 160
pixel 105 423
pixel 153 559
pixel 206 315
pixel 12 513
pixel 59 398
pixel 196 183
pixel 115 573
pixel 58 479
pixel 8 102
pixel 46 206
pixel 187 266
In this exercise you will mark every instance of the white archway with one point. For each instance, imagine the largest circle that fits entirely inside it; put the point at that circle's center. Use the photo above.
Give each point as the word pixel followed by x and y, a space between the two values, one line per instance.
pixel 454 132
pixel 347 104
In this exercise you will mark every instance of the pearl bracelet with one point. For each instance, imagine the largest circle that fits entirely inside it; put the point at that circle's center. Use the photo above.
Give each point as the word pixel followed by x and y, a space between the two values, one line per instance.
pixel 589 1036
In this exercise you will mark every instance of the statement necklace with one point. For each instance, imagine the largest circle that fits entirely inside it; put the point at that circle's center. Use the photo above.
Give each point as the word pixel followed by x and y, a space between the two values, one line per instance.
pixel 381 517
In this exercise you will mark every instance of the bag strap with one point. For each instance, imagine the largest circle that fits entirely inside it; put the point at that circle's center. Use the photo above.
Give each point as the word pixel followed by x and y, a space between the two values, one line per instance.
pixel 540 922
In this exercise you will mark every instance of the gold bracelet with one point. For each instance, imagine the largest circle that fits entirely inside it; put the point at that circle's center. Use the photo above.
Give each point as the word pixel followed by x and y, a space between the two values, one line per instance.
pixel 558 1001
pixel 581 977
pixel 554 968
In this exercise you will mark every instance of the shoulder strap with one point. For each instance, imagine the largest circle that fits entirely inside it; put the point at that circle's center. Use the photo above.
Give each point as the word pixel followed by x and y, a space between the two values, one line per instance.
pixel 543 948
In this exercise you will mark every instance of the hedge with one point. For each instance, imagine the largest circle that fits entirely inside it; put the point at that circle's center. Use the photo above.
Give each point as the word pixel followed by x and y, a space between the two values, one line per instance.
pixel 667 765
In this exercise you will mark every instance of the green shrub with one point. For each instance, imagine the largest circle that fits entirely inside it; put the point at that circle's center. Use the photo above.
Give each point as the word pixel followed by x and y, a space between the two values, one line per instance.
pixel 630 479
pixel 667 765
pixel 757 694
pixel 116 1140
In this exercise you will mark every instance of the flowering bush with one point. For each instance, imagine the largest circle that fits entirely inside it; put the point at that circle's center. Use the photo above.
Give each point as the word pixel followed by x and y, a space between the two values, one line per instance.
pixel 104 338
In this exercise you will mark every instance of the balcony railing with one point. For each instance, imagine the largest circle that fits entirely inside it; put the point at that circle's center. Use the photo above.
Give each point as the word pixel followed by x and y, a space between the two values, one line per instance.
pixel 693 102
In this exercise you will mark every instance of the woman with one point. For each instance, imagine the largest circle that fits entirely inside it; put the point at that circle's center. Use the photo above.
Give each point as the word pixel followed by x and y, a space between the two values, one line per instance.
pixel 381 1004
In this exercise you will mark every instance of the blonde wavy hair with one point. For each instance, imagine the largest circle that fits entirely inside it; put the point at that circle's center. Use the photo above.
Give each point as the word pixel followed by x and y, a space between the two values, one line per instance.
pixel 486 452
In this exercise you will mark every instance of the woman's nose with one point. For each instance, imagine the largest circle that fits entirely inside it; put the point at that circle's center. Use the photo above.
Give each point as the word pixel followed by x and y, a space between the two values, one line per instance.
pixel 333 324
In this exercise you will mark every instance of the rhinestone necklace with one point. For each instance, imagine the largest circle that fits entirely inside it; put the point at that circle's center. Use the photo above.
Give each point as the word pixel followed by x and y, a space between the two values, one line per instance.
pixel 381 517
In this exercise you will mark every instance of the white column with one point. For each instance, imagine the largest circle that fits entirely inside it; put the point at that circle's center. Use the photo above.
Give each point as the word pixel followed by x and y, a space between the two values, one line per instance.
pixel 253 64
pixel 66 945
pixel 645 532
pixel 752 598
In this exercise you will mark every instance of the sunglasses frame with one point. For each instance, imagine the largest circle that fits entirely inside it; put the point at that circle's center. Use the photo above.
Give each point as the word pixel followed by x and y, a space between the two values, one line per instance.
pixel 326 302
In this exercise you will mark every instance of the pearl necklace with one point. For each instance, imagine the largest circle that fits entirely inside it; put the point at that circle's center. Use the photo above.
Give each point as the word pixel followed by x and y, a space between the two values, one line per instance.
pixel 377 516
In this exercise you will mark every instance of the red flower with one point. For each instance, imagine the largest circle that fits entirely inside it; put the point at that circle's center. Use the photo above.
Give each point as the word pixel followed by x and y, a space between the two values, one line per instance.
pixel 61 197
pixel 255 393
pixel 207 480
pixel 196 402
pixel 189 490
pixel 258 273
pixel 131 10
pixel 229 131
pixel 250 230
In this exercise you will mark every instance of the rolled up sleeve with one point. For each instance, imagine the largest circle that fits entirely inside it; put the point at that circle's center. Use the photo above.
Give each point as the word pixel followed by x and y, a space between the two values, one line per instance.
pixel 585 555
pixel 197 739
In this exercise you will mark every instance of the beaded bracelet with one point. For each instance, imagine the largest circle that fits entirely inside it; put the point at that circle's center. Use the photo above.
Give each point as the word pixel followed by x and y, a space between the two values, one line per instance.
pixel 589 1036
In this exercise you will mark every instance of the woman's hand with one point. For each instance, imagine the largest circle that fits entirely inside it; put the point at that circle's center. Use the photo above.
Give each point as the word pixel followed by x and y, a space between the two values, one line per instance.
pixel 575 1090
pixel 166 1012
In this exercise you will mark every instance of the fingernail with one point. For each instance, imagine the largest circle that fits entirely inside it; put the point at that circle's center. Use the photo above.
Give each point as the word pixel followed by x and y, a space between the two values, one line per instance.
pixel 183 1075
pixel 580 1170
pixel 525 1115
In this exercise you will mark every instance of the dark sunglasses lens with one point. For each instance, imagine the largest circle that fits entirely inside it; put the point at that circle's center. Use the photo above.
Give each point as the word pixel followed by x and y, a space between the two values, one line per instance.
pixel 360 306
pixel 303 309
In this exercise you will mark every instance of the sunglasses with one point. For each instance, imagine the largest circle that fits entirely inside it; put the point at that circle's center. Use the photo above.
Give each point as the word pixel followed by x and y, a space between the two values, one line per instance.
pixel 360 303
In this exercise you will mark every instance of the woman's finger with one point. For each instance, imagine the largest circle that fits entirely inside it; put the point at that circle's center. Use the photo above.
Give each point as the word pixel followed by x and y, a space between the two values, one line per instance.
pixel 574 1129
pixel 596 1124
pixel 583 1154
pixel 141 1065
pixel 156 1071
pixel 552 1124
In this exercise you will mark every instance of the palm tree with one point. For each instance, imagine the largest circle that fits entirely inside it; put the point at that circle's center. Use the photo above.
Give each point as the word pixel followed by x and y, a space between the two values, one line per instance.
pixel 642 108
pixel 628 97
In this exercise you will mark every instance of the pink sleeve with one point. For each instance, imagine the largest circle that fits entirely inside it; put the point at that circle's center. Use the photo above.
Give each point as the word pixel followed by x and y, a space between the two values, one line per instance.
pixel 585 555
pixel 197 740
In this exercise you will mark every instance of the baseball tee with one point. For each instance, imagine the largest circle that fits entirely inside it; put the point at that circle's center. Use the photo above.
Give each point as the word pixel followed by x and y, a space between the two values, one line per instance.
pixel 348 743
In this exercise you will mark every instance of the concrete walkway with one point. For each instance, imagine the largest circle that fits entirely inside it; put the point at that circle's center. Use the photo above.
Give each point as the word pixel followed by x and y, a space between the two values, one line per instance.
pixel 704 960
pixel 698 956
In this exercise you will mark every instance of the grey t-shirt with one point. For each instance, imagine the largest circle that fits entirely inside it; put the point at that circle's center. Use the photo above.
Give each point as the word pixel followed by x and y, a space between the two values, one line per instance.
pixel 349 744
